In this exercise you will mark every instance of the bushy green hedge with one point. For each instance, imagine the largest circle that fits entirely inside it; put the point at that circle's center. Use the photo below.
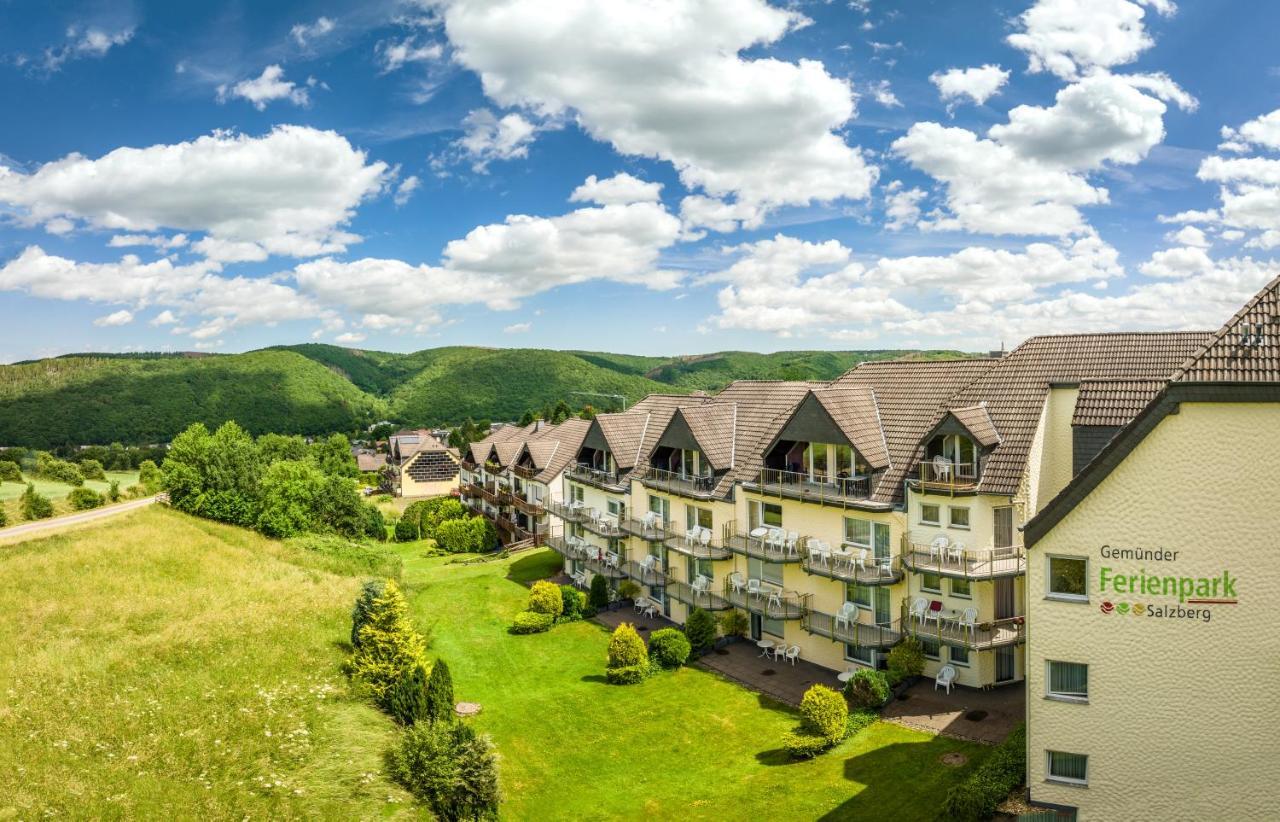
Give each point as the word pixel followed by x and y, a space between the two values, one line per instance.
pixel 449 767
pixel 626 674
pixel 802 745
pixel 976 798
pixel 83 499
pixel 407 699
pixel 628 660
pixel 459 536
pixel 700 628
pixel 867 688
pixel 50 467
pixel 668 647
pixel 906 659
pixel 92 469
pixel 599 596
pixel 10 471
pixel 34 505
pixel 545 598
pixel 823 711
pixel 573 603
pixel 531 622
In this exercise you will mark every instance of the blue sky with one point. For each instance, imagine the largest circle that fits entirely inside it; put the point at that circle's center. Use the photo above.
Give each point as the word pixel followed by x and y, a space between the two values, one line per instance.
pixel 647 176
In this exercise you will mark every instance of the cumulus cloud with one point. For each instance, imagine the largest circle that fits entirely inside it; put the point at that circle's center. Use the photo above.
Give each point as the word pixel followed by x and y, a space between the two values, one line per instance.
pixel 404 191
pixel 1071 37
pixel 1189 235
pixel 883 94
pixel 396 54
pixel 672 86
pixel 287 192
pixel 488 137
pixel 349 338
pixel 1177 263
pixel 155 241
pixel 620 189
pixel 1262 132
pixel 265 88
pixel 979 84
pixel 304 33
pixel 117 318
pixel 518 328
pixel 165 317
pixel 902 206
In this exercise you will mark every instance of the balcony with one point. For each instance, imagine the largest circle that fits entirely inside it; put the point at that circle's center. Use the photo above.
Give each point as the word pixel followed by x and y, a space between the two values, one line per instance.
pixel 954 560
pixel 659 479
pixel 533 509
pixel 765 598
pixel 601 524
pixel 850 566
pixel 468 465
pixel 950 628
pixel 851 631
pixel 707 601
pixel 697 543
pixel 605 563
pixel 649 529
pixel 762 543
pixel 524 472
pixel 505 497
pixel 838 491
pixel 487 492
pixel 941 476
pixel 604 480
pixel 569 512
pixel 646 574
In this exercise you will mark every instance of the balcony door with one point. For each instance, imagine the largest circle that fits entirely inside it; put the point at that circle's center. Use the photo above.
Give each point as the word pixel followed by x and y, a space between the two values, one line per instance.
pixel 884 611
pixel 1006 601
pixel 660 506
pixel 1003 529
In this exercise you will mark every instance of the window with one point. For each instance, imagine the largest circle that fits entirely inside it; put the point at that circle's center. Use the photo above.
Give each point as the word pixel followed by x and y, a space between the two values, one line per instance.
pixel 841 461
pixel 931 583
pixel 856 653
pixel 959 517
pixel 1067 578
pixel 771 626
pixel 857 532
pixel 575 493
pixel 699 567
pixel 930 514
pixel 767 571
pixel 929 647
pixel 818 461
pixel 1068 680
pixel 1071 768
pixel 958 657
pixel 617 508
pixel 764 513
pixel 661 507
pixel 860 595
pixel 694 516
pixel 961 588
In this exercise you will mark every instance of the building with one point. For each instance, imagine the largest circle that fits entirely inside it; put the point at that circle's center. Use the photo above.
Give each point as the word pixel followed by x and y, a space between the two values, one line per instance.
pixel 1151 660
pixel 419 465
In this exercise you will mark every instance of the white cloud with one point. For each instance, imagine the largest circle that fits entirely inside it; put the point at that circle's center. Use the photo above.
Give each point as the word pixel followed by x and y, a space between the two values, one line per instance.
pixel 265 88
pixel 121 317
pixel 1249 190
pixel 672 85
pixel 902 206
pixel 155 241
pixel 165 317
pixel 518 328
pixel 59 226
pixel 992 189
pixel 396 54
pixel 699 212
pixel 620 189
pixel 1189 235
pixel 405 189
pixel 488 137
pixel 1177 263
pixel 883 94
pixel 304 33
pixel 1261 131
pixel 89 42
pixel 289 191
pixel 1071 37
pixel 349 338
pixel 978 84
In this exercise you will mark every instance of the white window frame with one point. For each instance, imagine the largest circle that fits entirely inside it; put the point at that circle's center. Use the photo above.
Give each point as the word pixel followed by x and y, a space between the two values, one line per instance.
pixel 951 657
pixel 1064 780
pixel 1049 593
pixel 1049 693
pixel 951 523
pixel 924 649
pixel 926 590
pixel 924 521
pixel 952 588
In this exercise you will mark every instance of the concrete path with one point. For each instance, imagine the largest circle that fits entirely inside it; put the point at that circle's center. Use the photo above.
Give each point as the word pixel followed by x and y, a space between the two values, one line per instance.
pixel 40 527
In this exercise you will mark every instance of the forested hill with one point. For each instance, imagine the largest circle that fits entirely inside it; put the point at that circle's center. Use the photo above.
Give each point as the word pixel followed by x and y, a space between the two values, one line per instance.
pixel 315 388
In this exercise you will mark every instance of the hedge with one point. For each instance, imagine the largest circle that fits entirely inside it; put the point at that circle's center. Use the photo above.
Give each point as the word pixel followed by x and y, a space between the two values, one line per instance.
pixel 976 798
pixel 531 622
pixel 668 647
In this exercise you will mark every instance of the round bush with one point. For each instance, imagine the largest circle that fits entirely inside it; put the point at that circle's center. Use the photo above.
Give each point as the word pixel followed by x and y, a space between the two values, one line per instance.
pixel 531 622
pixel 545 598
pixel 626 674
pixel 449 767
pixel 802 745
pixel 824 712
pixel 700 628
pixel 906 658
pixel 10 472
pixel 82 499
pixel 599 598
pixel 669 648
pixel 626 648
pixel 573 603
pixel 406 530
pixel 867 688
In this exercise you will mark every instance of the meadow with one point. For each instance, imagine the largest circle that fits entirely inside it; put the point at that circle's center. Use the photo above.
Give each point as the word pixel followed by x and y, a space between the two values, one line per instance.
pixel 161 664
pixel 57 492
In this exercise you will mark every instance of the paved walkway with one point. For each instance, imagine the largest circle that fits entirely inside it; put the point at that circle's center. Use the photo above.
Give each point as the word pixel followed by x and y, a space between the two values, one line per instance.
pixel 978 716
pixel 38 527
pixel 741 661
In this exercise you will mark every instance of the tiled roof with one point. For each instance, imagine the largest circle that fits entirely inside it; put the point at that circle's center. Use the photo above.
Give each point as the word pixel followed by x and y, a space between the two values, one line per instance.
pixel 568 437
pixel 761 406
pixel 541 450
pixel 978 422
pixel 1113 403
pixel 909 394
pixel 853 408
pixel 713 426
pixel 1246 349
pixel 370 462
pixel 1016 386
pixel 623 432
pixel 506 451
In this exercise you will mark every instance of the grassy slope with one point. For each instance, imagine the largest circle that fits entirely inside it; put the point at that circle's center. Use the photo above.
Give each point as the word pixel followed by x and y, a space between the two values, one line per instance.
pixel 163 662
pixel 685 745
pixel 57 492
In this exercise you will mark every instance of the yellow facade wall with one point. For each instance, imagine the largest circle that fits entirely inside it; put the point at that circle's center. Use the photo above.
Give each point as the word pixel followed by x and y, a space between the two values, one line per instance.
pixel 411 488
pixel 1181 715
pixel 1055 465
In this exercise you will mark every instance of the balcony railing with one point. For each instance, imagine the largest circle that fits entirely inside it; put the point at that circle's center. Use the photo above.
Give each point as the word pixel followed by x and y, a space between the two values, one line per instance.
pixel 487 492
pixel 763 543
pixel 955 560
pixel 601 524
pixel 818 488
pixel 684 485
pixel 505 497
pixel 707 601
pixel 851 631
pixel 848 565
pixel 650 529
pixel 945 477
pixel 607 480
pixel 765 598
pixel 534 509
pixel 468 465
pixel 594 558
pixel 568 511
pixel 524 472
pixel 949 627
pixel 646 574
pixel 691 544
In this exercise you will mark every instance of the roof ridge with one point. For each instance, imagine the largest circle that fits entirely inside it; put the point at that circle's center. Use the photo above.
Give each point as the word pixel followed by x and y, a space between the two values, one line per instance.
pixel 1221 333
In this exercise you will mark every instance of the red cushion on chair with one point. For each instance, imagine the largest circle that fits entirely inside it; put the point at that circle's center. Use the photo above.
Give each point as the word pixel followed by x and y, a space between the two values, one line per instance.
pixel 936 605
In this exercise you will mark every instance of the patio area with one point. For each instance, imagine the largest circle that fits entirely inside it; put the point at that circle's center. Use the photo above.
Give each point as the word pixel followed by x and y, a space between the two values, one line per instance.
pixel 966 713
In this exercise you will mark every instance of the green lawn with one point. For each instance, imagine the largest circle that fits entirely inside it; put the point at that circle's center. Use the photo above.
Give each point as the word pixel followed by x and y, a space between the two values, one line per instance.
pixel 58 490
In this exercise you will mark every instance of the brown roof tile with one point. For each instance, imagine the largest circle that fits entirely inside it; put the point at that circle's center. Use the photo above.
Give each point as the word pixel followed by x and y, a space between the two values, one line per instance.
pixel 853 408
pixel 1246 349
pixel 1113 403
pixel 713 426
pixel 978 422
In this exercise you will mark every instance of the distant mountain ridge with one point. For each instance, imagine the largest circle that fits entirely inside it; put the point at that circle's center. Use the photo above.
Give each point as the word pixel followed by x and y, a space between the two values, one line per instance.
pixel 314 388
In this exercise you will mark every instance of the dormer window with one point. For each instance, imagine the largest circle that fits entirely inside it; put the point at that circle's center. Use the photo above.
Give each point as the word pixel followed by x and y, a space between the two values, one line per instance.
pixel 687 462
pixel 955 454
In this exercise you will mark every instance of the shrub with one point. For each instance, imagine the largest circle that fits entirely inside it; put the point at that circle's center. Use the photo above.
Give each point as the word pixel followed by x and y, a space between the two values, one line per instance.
pixel 10 472
pixel 626 674
pixel 440 693
pixel 599 596
pixel 407 530
pixel 802 745
pixel 906 658
pixel 628 658
pixel 149 476
pixel 531 622
pixel 33 505
pixel 545 598
pixel 375 525
pixel 92 469
pixel 628 589
pixel 867 688
pixel 861 719
pixel 390 647
pixel 369 592
pixel 700 628
pixel 4 518
pixel 734 623
pixel 50 467
pixel 572 603
pixel 457 536
pixel 669 648
pixel 449 767
pixel 407 699
pixel 82 499
pixel 976 798
pixel 824 712
pixel 113 491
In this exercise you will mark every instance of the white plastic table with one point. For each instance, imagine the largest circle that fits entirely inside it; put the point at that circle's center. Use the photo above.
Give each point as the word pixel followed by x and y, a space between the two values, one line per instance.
pixel 845 676
pixel 765 646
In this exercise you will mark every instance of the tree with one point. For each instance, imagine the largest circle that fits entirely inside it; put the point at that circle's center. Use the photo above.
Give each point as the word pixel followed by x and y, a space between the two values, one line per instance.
pixel 275 447
pixel 599 596
pixel 214 475
pixel 389 644
pixel 526 419
pixel 588 412
pixel 824 713
pixel 628 660
pixel 700 628
pixel 92 469
pixel 50 467
pixel 33 505
pixel 560 413
pixel 451 768
pixel 407 698
pixel 149 476
pixel 113 491
pixel 10 472
pixel 545 598
pixel 440 693
pixel 291 493
pixel 83 499
pixel 369 592
pixel 333 456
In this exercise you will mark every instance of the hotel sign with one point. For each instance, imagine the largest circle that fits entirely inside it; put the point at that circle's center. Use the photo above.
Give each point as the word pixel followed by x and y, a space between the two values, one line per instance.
pixel 1177 595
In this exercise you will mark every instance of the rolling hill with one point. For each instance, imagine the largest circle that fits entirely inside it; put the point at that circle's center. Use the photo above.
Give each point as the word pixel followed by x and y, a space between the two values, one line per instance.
pixel 316 388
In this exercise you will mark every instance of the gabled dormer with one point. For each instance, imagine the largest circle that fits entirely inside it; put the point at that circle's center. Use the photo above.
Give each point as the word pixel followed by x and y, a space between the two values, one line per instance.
pixel 956 449
pixel 609 450
pixel 695 450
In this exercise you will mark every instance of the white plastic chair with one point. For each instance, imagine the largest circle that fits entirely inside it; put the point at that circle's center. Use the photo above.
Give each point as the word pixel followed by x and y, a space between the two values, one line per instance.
pixel 793 653
pixel 919 607
pixel 793 539
pixel 704 537
pixel 753 588
pixel 956 553
pixel 969 621
pixel 640 604
pixel 646 564
pixel 945 678
pixel 775 598
pixel 862 559
pixel 822 553
pixel 652 609
pixel 701 584
pixel 736 581
pixel 938 547
pixel 941 468
pixel 848 612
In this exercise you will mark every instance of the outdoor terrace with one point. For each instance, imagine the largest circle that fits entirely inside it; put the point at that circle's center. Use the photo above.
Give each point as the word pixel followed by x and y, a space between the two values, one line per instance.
pixel 850 566
pixel 948 627
pixel 766 543
pixel 851 631
pixel 953 559
pixel 650 529
pixel 534 509
pixel 660 479
pixel 648 575
pixel 697 543
pixel 684 592
pixel 765 598
pixel 605 563
pixel 817 488
pixel 604 480
pixel 944 477
pixel 524 471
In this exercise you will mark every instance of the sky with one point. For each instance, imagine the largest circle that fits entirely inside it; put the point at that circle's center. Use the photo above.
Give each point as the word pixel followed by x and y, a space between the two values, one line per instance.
pixel 639 176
